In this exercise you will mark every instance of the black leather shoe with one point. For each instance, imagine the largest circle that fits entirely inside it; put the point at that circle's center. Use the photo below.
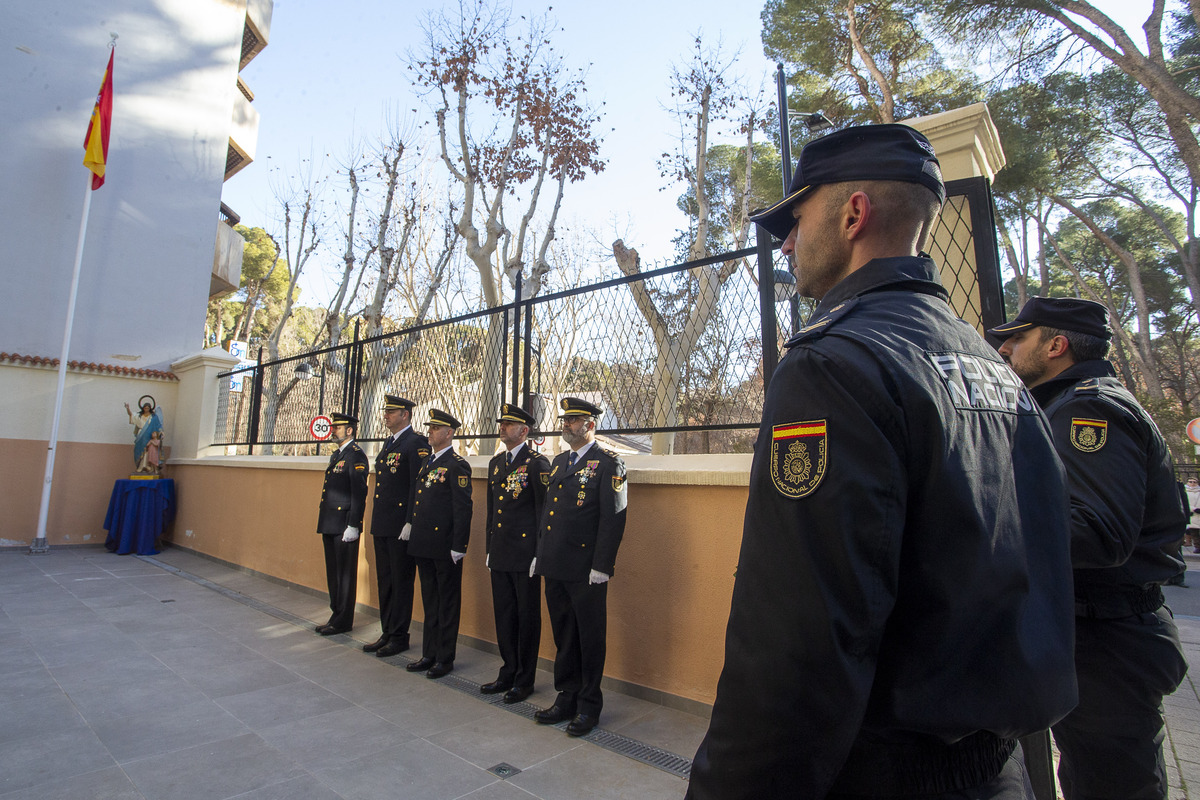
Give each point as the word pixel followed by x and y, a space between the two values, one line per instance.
pixel 553 714
pixel 394 646
pixel 439 670
pixel 495 687
pixel 329 630
pixel 420 665
pixel 517 695
pixel 375 645
pixel 582 724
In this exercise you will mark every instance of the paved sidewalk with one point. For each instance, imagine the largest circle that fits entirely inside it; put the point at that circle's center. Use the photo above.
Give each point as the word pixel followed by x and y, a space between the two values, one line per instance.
pixel 176 677
pixel 120 679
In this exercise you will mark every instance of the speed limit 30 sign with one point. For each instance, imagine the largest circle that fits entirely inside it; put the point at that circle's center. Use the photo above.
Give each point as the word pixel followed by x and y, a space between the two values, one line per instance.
pixel 321 427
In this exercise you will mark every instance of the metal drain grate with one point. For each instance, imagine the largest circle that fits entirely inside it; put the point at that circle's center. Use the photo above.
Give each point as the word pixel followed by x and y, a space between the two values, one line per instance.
pixel 640 751
pixel 613 742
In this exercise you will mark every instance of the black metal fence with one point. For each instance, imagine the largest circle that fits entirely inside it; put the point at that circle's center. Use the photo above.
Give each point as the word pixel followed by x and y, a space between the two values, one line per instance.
pixel 675 356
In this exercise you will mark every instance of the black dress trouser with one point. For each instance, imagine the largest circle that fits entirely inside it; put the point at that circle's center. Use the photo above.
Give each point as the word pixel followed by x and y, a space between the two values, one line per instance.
pixel 341 574
pixel 579 619
pixel 441 594
pixel 396 572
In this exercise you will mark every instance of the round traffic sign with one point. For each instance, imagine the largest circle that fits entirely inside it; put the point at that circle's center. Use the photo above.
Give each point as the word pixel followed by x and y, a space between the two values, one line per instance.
pixel 1193 430
pixel 321 427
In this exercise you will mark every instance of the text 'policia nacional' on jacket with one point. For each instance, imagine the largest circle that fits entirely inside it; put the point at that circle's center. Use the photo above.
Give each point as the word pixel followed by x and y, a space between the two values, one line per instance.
pixel 584 516
pixel 344 496
pixel 1126 514
pixel 902 605
pixel 441 517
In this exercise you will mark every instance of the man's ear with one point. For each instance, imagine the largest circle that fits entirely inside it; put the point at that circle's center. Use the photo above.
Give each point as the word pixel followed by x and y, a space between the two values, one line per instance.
pixel 856 214
pixel 1057 347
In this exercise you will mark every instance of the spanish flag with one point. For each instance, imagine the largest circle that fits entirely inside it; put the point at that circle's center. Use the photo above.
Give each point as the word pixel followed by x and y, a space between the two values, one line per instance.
pixel 95 144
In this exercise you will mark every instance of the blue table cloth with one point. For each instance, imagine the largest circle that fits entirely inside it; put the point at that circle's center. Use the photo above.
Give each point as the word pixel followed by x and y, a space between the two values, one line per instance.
pixel 137 513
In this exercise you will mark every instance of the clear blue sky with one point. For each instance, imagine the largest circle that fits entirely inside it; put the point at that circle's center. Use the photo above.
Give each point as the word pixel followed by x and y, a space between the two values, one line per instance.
pixel 334 71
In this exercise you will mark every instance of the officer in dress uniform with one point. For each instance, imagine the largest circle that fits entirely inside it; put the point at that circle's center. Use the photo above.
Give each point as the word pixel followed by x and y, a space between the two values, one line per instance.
pixel 580 531
pixel 517 480
pixel 343 501
pixel 1126 522
pixel 901 610
pixel 396 469
pixel 437 539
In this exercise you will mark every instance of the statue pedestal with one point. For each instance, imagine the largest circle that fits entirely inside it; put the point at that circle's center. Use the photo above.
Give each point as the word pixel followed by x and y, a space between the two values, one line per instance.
pixel 138 511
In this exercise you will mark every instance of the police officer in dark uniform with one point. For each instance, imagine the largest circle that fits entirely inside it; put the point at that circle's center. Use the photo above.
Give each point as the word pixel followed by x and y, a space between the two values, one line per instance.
pixel 343 501
pixel 441 527
pixel 1126 522
pixel 395 484
pixel 581 529
pixel 517 480
pixel 901 611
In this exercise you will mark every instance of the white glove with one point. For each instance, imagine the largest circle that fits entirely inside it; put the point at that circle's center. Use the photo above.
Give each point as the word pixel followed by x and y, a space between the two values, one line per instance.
pixel 456 556
pixel 406 531
pixel 532 567
pixel 487 561
pixel 351 534
pixel 598 577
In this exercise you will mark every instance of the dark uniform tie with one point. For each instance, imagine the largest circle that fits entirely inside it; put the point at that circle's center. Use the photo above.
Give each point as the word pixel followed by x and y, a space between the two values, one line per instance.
pixel 571 459
pixel 508 458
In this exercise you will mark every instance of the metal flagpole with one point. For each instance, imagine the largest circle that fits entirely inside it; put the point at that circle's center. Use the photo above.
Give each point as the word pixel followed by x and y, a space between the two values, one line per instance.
pixel 39 544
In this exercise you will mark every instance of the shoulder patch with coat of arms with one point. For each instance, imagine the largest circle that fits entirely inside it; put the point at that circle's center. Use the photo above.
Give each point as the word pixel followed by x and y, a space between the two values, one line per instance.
pixel 462 481
pixel 1088 435
pixel 798 457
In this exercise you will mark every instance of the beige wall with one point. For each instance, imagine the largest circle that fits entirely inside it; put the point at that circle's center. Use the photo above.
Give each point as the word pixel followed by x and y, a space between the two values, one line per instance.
pixel 668 602
pixel 78 497
pixel 95 447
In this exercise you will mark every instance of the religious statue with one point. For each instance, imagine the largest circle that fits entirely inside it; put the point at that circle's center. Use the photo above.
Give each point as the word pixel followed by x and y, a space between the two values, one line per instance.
pixel 147 436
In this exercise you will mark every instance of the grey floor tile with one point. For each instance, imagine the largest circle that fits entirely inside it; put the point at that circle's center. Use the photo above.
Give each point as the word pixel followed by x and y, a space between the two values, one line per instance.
pixel 212 771
pixel 152 732
pixel 26 683
pixel 275 705
pixel 590 773
pixel 426 708
pixel 414 769
pixel 504 738
pixel 101 646
pixel 19 656
pixel 123 696
pixel 30 761
pixel 306 787
pixel 238 677
pixel 500 790
pixel 104 784
pixel 329 740
pixel 42 715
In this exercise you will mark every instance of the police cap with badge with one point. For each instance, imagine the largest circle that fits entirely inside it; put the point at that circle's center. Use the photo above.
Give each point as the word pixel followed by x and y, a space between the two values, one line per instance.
pixel 859 153
pixel 393 402
pixel 338 418
pixel 439 417
pixel 1060 313
pixel 577 407
pixel 514 413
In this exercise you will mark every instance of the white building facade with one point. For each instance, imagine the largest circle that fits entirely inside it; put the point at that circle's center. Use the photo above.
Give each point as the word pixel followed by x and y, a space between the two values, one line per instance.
pixel 158 243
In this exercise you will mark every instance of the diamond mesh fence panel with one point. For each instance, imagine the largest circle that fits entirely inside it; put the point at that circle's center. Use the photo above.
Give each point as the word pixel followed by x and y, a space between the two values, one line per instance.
pixel 674 357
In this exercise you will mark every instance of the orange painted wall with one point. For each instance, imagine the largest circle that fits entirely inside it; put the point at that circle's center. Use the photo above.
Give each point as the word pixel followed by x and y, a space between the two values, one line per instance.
pixel 83 482
pixel 667 604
